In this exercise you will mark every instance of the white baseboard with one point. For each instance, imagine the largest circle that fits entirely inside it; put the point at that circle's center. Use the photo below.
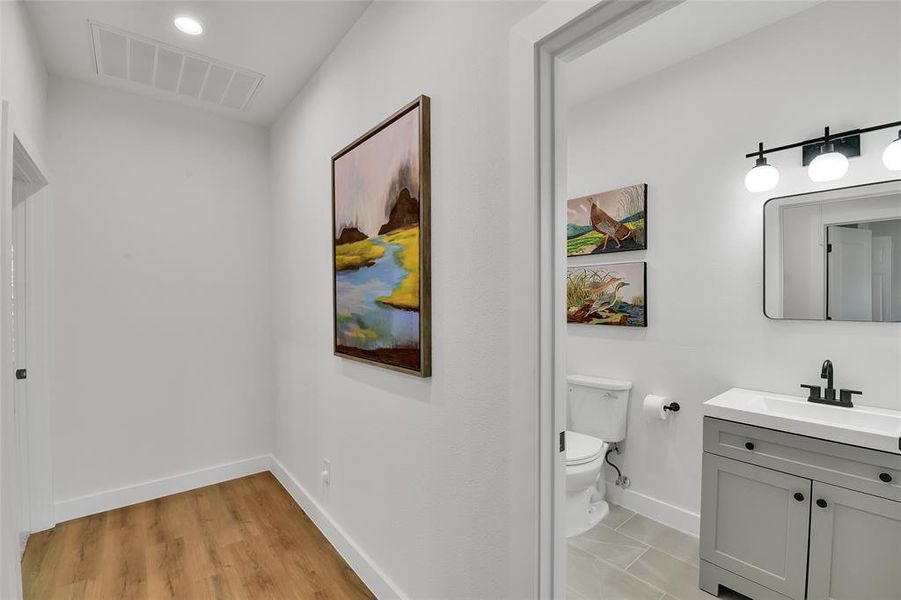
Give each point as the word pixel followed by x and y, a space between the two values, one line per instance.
pixel 83 506
pixel 672 516
pixel 361 563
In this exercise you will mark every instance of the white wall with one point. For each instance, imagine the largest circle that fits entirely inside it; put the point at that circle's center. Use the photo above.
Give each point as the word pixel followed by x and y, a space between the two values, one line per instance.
pixel 421 469
pixel 162 289
pixel 685 131
pixel 24 76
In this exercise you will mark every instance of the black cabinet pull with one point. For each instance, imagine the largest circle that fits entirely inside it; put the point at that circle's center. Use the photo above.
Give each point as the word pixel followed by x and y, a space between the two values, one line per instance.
pixel 822 503
pixel 749 445
pixel 799 496
pixel 885 478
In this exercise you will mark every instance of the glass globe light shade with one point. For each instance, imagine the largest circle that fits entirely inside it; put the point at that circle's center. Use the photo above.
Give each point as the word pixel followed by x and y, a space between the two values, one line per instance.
pixel 828 166
pixel 891 157
pixel 762 177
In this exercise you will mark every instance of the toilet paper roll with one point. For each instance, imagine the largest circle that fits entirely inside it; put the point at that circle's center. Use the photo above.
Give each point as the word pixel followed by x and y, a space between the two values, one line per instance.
pixel 653 407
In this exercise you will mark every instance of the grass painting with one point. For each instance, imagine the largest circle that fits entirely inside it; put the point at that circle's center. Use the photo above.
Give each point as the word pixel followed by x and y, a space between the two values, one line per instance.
pixel 380 187
pixel 613 221
pixel 607 294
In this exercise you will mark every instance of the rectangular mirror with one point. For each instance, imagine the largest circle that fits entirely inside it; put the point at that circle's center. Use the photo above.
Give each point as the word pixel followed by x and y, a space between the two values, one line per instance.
pixel 834 255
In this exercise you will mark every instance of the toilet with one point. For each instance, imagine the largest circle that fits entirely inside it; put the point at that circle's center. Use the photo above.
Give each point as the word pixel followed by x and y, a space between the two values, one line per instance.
pixel 596 418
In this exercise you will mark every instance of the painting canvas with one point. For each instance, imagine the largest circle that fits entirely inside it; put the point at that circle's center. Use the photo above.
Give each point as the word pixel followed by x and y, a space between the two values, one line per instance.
pixel 613 221
pixel 380 208
pixel 607 294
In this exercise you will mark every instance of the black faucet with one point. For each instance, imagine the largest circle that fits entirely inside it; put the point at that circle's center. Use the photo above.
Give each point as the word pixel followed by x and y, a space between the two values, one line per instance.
pixel 844 396
pixel 827 373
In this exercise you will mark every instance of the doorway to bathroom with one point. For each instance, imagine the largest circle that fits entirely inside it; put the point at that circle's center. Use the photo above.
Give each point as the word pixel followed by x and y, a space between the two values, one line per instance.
pixel 597 127
pixel 542 46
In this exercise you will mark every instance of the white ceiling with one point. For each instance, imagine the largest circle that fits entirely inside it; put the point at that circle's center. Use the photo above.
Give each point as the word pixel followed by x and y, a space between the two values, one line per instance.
pixel 689 29
pixel 285 41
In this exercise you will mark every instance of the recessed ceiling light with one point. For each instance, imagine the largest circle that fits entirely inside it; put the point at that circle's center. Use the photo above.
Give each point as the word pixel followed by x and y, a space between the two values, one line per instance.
pixel 189 25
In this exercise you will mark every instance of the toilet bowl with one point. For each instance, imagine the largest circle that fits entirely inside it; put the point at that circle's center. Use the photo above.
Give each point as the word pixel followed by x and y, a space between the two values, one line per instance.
pixel 585 488
pixel 596 417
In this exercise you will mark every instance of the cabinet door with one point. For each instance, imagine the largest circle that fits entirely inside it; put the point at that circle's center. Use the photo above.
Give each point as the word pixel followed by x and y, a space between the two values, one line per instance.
pixel 754 522
pixel 855 545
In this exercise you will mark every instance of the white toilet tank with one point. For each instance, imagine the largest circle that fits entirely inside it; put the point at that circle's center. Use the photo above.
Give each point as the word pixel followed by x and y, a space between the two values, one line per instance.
pixel 597 406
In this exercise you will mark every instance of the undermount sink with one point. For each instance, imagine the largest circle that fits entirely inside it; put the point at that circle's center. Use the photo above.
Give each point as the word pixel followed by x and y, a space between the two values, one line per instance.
pixel 865 426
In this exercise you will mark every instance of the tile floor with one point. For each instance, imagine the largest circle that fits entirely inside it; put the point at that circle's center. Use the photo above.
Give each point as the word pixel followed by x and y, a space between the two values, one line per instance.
pixel 630 557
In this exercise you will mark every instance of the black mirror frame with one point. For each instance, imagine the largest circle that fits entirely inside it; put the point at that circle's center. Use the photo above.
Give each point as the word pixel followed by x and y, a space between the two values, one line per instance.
pixel 763 244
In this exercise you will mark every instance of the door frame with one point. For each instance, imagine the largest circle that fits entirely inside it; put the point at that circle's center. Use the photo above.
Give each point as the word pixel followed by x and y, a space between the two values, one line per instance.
pixel 540 44
pixel 23 169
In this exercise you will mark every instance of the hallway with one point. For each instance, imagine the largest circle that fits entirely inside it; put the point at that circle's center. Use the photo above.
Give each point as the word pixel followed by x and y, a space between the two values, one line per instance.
pixel 244 538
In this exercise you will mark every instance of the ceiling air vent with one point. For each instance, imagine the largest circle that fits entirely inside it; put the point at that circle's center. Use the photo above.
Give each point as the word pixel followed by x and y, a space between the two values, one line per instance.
pixel 134 58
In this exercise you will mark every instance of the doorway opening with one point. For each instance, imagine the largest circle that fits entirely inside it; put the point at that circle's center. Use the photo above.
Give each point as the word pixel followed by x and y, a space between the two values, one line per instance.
pixel 26 499
pixel 644 81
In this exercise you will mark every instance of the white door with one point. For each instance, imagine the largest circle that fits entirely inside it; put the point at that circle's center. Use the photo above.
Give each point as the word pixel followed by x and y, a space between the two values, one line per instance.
pixel 850 260
pixel 882 278
pixel 19 344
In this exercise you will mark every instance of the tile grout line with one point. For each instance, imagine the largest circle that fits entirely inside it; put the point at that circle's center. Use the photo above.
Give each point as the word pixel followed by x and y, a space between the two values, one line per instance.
pixel 642 553
pixel 632 516
pixel 650 545
pixel 646 546
pixel 623 571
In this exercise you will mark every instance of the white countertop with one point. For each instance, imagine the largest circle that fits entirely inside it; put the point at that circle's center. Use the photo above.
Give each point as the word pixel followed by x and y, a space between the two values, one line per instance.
pixel 864 426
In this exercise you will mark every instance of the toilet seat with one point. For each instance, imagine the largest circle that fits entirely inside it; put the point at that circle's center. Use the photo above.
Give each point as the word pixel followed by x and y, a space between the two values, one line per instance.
pixel 581 448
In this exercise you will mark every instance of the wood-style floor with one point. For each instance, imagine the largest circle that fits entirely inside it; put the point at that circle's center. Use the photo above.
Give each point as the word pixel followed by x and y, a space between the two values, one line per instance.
pixel 240 539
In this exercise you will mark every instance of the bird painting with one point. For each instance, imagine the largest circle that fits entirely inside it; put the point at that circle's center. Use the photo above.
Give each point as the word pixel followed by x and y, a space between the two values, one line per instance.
pixel 596 294
pixel 605 222
pixel 602 294
pixel 610 227
pixel 607 298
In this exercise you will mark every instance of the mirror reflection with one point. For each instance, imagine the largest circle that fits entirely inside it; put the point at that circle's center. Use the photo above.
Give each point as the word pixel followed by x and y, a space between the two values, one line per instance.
pixel 834 255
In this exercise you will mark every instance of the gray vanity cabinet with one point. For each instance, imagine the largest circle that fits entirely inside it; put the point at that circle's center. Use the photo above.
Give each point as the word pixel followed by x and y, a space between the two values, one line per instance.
pixel 855 545
pixel 790 517
pixel 752 524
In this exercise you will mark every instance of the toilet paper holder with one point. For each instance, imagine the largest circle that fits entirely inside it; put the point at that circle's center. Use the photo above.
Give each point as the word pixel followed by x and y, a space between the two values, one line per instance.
pixel 672 406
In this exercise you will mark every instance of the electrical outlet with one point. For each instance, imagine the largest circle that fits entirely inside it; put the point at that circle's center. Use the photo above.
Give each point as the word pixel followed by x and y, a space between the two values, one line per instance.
pixel 326 475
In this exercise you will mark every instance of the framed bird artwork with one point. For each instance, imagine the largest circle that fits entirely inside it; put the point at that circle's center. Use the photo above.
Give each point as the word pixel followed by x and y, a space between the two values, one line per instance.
pixel 614 221
pixel 612 294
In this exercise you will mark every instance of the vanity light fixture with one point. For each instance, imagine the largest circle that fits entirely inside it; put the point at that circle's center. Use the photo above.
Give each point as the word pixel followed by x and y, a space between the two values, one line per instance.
pixel 829 164
pixel 188 25
pixel 763 177
pixel 891 157
pixel 827 157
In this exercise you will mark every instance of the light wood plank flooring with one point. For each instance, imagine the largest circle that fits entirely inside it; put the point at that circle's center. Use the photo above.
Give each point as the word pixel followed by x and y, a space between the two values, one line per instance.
pixel 245 538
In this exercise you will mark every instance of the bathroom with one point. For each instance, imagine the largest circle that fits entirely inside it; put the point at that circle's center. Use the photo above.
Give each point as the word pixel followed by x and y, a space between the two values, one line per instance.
pixel 656 127
pixel 406 299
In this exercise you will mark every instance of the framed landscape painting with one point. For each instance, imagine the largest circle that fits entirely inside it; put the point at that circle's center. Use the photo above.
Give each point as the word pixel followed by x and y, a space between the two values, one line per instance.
pixel 607 294
pixel 380 232
pixel 613 221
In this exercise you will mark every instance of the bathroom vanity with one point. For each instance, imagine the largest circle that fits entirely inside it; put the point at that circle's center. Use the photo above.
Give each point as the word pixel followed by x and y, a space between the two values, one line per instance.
pixel 799 500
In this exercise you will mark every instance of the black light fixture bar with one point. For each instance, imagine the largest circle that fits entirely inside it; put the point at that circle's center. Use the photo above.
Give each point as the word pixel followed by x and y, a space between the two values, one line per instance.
pixel 822 139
